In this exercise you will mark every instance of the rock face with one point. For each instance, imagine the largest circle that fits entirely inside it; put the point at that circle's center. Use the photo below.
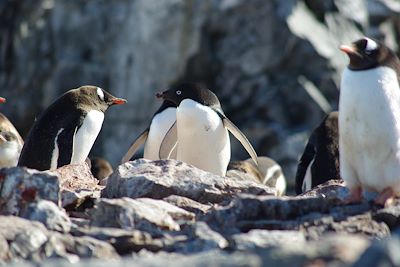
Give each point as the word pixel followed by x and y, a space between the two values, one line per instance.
pixel 274 97
pixel 159 179
pixel 186 216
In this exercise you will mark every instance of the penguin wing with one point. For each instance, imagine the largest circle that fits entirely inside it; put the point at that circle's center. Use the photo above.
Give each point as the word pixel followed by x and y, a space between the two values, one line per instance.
pixel 139 141
pixel 305 161
pixel 239 136
pixel 169 142
pixel 65 141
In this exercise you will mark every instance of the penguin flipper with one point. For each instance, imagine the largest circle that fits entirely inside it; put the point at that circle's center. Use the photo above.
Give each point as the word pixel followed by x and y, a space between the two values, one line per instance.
pixel 65 142
pixel 305 161
pixel 237 133
pixel 169 142
pixel 139 141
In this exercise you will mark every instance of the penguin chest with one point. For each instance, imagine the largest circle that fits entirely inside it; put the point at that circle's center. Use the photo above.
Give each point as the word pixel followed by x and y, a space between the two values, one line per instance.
pixel 203 140
pixel 159 127
pixel 9 153
pixel 86 135
pixel 369 126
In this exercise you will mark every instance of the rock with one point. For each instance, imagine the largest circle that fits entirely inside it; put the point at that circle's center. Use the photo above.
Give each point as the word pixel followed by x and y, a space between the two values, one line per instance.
pixel 78 185
pixel 124 241
pixel 264 238
pixel 187 204
pixel 49 214
pixel 32 241
pixel 390 216
pixel 21 186
pixel 381 253
pixel 199 238
pixel 330 189
pixel 159 179
pixel 144 214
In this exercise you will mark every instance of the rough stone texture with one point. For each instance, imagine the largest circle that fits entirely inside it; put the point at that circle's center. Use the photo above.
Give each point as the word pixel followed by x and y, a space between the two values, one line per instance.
pixel 159 179
pixel 187 204
pixel 49 214
pixel 264 238
pixel 21 186
pixel 144 214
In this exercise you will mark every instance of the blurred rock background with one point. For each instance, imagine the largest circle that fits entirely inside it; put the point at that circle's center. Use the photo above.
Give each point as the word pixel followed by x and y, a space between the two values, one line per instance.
pixel 275 65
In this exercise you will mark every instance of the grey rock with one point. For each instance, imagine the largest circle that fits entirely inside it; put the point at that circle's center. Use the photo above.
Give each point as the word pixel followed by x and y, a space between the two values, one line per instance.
pixel 144 214
pixel 159 179
pixel 187 204
pixel 49 214
pixel 124 241
pixel 389 215
pixel 200 237
pixel 264 238
pixel 30 240
pixel 381 253
pixel 21 186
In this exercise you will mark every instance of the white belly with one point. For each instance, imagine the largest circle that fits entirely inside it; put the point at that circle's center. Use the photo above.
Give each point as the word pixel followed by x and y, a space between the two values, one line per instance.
pixel 9 154
pixel 369 128
pixel 160 125
pixel 86 135
pixel 203 140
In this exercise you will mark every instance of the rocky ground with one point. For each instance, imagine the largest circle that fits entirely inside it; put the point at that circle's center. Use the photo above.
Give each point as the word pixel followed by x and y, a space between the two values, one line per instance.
pixel 155 212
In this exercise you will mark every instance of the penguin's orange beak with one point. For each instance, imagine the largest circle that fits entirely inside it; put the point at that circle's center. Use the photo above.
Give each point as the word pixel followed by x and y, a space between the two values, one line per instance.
pixel 119 101
pixel 2 100
pixel 348 49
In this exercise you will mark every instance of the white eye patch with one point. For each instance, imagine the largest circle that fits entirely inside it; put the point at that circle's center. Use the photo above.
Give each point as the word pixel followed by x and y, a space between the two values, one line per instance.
pixel 371 45
pixel 178 92
pixel 100 93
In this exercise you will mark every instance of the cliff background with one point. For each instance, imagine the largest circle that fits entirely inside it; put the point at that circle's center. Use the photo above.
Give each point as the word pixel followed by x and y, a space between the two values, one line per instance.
pixel 275 65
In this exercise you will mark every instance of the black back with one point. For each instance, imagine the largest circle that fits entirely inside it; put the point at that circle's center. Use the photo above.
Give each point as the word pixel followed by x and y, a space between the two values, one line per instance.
pixel 67 112
pixel 323 148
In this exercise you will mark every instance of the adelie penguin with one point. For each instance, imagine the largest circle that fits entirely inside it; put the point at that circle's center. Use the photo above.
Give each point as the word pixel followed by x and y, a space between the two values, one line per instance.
pixel 369 121
pixel 320 160
pixel 152 137
pixel 65 132
pixel 200 133
pixel 10 142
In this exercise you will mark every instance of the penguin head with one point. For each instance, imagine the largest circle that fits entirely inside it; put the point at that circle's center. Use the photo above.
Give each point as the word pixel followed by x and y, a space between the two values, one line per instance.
pixel 189 90
pixel 94 97
pixel 366 53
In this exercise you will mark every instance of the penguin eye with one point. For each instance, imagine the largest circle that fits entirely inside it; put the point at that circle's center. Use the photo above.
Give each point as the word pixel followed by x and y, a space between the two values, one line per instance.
pixel 100 93
pixel 178 92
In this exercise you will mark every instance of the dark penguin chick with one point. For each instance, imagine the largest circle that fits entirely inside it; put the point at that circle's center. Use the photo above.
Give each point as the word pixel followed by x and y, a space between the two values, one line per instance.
pixel 200 134
pixel 65 132
pixel 152 137
pixel 320 160
pixel 369 116
pixel 10 142
pixel 100 168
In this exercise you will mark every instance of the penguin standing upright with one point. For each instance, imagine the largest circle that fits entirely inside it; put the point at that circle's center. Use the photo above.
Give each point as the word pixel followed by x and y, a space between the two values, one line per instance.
pixel 152 137
pixel 320 160
pixel 66 131
pixel 200 134
pixel 369 120
pixel 10 142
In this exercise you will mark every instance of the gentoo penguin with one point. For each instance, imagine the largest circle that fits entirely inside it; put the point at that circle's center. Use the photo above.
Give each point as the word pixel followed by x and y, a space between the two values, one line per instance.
pixel 320 160
pixel 200 134
pixel 369 120
pixel 152 137
pixel 100 168
pixel 10 142
pixel 66 130
pixel 267 172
